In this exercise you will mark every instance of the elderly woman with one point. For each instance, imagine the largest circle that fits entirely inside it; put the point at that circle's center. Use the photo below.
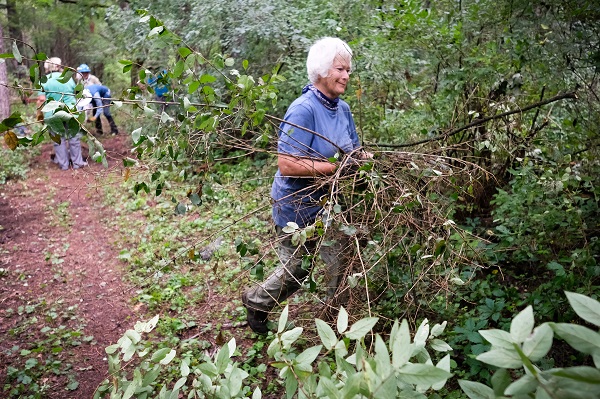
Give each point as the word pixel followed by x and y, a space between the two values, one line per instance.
pixel 53 89
pixel 317 126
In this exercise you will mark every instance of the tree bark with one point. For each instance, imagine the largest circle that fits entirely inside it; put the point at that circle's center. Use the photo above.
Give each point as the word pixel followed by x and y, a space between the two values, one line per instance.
pixel 4 94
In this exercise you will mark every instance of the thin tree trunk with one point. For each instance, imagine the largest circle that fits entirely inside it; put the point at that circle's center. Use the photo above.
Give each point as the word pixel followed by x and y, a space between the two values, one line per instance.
pixel 4 94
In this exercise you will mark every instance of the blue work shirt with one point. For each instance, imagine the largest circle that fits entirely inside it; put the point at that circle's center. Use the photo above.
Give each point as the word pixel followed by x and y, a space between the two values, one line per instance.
pixel 297 199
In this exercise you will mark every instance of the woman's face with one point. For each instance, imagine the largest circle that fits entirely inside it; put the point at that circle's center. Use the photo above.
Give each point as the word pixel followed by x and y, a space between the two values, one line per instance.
pixel 337 78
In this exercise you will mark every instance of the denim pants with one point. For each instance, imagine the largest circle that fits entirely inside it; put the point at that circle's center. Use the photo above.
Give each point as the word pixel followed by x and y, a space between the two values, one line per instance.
pixel 288 277
pixel 105 110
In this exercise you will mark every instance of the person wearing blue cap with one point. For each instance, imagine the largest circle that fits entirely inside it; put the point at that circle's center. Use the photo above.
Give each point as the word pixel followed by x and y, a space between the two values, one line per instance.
pixel 101 103
pixel 84 76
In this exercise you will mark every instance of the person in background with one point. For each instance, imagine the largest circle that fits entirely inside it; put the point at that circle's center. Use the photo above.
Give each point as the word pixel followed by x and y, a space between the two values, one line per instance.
pixel 160 84
pixel 53 89
pixel 101 103
pixel 84 76
pixel 303 157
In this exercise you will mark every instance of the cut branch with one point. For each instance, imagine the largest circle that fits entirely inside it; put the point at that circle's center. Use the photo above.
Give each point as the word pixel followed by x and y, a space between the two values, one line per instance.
pixel 481 121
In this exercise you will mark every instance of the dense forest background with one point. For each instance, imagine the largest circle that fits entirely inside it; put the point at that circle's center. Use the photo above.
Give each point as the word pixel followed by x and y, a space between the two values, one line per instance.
pixel 483 117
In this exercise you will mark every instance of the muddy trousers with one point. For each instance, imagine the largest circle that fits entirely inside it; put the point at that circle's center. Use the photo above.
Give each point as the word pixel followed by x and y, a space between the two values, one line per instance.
pixel 288 277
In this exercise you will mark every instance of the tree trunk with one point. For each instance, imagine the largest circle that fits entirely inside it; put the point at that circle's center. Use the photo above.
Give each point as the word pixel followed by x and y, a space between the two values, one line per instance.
pixel 4 94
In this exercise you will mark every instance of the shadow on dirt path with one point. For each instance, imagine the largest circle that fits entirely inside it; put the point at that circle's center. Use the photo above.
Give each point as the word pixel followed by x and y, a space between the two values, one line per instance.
pixel 62 299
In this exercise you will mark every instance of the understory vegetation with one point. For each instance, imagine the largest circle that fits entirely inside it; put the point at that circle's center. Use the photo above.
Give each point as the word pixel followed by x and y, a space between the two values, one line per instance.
pixel 478 211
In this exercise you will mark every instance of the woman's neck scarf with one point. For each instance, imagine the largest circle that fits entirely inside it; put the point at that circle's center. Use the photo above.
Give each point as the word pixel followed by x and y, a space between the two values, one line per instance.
pixel 327 102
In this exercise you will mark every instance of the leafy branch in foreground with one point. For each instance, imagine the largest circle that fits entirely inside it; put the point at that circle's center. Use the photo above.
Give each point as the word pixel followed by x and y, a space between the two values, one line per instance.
pixel 525 345
pixel 342 366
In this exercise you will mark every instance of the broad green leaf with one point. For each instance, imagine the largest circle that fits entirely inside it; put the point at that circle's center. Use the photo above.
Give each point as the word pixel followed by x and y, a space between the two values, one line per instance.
pixel 523 386
pixel 222 360
pixel 437 329
pixel 131 388
pixel 135 135
pixel 361 328
pixel 257 394
pixel 583 374
pixel 422 334
pixel 160 354
pixel 579 337
pixel 522 325
pixel 382 357
pixel 498 338
pixel 326 388
pixel 51 106
pixel 184 52
pixel 439 345
pixel 180 382
pixel 289 337
pixel 178 71
pixel 502 358
pixel 422 374
pixel 340 349
pixel 309 355
pixel 229 62
pixel 443 364
pixel 342 320
pixel 283 319
pixel 185 367
pixel 400 345
pixel 16 52
pixel 170 356
pixel 539 343
pixel 326 334
pixel 476 390
pixel 585 307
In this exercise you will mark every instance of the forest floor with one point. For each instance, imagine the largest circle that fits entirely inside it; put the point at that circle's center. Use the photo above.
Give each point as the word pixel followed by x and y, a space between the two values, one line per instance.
pixel 62 296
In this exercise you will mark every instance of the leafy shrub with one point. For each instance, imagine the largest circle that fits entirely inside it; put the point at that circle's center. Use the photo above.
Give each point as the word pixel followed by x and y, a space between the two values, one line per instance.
pixel 523 347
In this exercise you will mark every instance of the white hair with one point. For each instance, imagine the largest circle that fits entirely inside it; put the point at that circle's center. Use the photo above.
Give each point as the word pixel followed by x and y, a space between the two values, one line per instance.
pixel 53 64
pixel 322 54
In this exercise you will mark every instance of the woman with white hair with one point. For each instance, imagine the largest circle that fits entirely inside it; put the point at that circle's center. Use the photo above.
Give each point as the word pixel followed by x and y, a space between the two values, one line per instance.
pixel 53 89
pixel 317 126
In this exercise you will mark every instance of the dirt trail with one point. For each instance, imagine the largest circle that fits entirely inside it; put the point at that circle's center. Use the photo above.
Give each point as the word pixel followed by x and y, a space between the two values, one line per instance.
pixel 54 247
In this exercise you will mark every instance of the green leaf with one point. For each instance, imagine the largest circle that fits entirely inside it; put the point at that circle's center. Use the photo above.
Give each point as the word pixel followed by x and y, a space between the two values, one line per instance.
pixel 135 135
pixel 400 344
pixel 361 328
pixel 283 318
pixel 342 320
pixel 73 385
pixel 184 52
pixel 309 355
pixel 382 358
pixel 178 71
pixel 326 333
pixel 128 162
pixel 170 356
pixel 585 307
pixel 579 337
pixel 205 78
pixel 160 354
pixel 523 386
pixel 16 52
pixel 289 337
pixel 522 325
pixel 476 390
pixel 193 87
pixel 422 374
pixel 13 120
pixel 539 343
pixel 502 358
pixel 498 338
